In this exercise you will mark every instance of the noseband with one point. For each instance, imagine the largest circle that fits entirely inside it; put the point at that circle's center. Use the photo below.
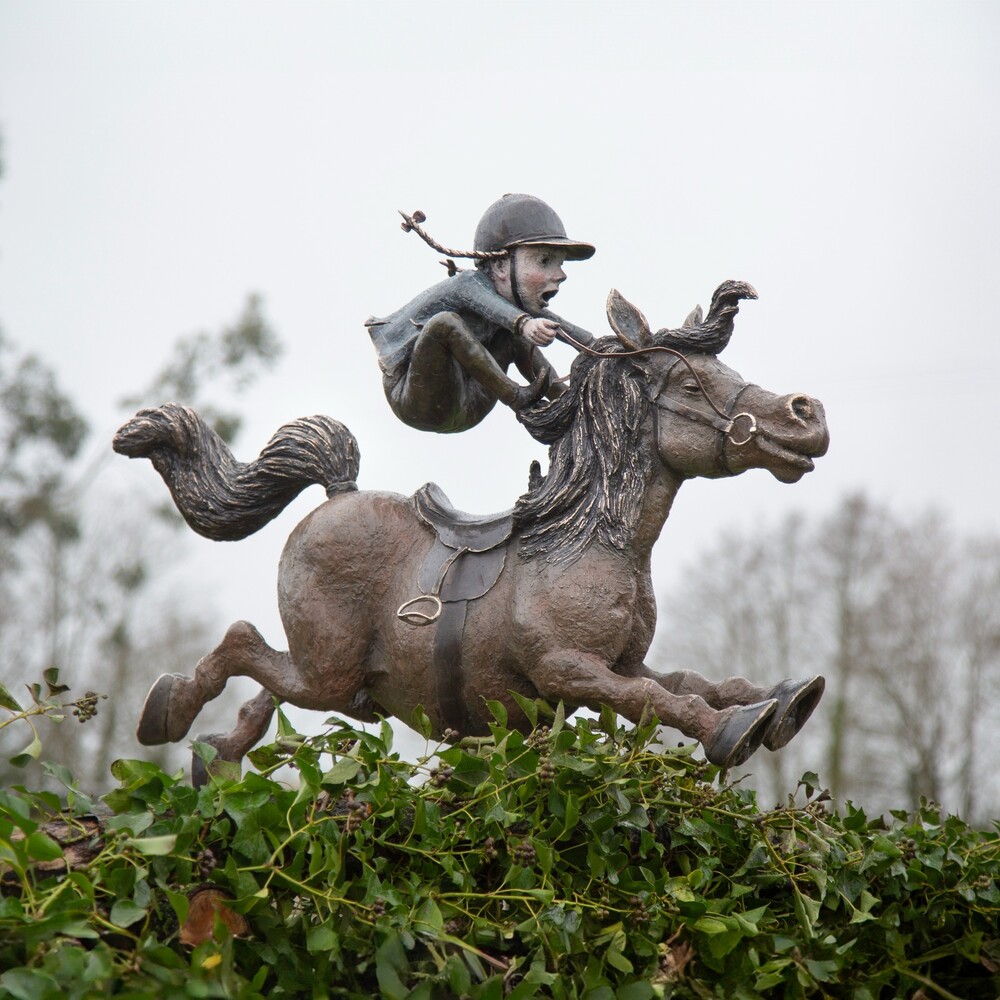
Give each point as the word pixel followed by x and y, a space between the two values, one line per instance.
pixel 722 418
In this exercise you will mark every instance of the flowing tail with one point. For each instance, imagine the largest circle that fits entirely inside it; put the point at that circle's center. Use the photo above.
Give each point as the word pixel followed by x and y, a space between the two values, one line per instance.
pixel 224 499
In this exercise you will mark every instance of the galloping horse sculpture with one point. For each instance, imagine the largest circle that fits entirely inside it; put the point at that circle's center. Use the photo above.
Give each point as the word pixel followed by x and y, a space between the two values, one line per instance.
pixel 391 602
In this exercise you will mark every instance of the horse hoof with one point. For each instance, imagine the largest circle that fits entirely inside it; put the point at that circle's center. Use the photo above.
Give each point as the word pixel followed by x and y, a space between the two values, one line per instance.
pixel 152 728
pixel 199 769
pixel 740 733
pixel 796 701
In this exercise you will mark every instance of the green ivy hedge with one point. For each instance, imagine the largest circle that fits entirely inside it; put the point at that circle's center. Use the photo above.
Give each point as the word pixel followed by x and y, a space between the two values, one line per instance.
pixel 576 862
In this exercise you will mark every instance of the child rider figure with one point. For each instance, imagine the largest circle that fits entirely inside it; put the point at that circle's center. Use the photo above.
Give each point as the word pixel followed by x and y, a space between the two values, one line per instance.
pixel 444 355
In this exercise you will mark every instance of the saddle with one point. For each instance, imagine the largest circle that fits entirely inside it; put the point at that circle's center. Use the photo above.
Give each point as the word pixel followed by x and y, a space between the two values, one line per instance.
pixel 473 547
pixel 463 564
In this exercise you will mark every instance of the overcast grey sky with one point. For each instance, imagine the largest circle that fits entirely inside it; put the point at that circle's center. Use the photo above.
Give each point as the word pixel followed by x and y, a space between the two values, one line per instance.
pixel 163 159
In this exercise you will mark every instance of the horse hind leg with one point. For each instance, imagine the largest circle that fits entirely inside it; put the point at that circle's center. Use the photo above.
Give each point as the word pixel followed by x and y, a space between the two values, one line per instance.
pixel 174 701
pixel 251 724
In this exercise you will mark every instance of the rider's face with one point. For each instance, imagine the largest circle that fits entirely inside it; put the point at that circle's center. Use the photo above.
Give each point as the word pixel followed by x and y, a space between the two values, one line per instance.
pixel 539 274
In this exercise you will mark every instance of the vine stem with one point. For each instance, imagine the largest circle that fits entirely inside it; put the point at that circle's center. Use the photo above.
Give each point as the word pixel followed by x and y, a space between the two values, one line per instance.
pixel 925 981
pixel 26 715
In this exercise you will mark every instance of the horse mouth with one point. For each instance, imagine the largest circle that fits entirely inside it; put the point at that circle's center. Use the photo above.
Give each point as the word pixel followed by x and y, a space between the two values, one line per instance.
pixel 796 463
pixel 547 297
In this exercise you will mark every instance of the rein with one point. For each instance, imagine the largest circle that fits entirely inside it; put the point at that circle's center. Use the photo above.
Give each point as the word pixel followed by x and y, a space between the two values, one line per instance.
pixel 721 420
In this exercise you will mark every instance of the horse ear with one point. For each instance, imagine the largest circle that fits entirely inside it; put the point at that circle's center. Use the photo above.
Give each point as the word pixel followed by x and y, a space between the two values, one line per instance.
pixel 629 324
pixel 694 318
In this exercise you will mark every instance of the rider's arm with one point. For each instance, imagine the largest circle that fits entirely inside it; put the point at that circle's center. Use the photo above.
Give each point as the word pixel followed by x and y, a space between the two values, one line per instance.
pixel 474 291
pixel 580 335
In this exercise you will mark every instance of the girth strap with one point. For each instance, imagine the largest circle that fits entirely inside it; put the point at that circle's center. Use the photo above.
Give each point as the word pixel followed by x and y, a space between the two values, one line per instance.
pixel 449 675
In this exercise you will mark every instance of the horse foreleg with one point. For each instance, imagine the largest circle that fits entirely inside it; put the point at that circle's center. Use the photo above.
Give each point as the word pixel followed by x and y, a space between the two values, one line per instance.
pixel 729 735
pixel 731 691
pixel 584 679
pixel 795 699
pixel 174 701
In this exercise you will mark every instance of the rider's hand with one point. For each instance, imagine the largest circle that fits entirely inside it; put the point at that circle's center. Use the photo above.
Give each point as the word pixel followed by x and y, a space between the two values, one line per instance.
pixel 541 331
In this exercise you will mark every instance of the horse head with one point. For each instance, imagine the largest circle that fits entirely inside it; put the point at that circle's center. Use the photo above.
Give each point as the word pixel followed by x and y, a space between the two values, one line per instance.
pixel 669 387
pixel 709 421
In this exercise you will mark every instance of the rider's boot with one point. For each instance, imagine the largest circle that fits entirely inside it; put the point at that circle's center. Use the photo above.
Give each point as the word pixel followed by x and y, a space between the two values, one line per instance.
pixel 525 395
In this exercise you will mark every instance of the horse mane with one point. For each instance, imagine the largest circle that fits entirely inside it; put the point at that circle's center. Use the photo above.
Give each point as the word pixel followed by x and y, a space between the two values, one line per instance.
pixel 597 472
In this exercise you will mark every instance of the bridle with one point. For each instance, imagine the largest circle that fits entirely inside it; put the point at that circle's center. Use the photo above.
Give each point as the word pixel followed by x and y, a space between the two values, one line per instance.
pixel 723 419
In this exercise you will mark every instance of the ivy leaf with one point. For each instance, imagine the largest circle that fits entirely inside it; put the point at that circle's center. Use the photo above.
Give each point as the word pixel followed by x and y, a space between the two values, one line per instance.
pixel 559 720
pixel 807 913
pixel 498 712
pixel 321 939
pixel 343 771
pixel 390 961
pixel 29 753
pixel 42 847
pixel 420 722
pixel 615 954
pixel 8 701
pixel 125 913
pixel 429 915
pixel 51 678
pixel 30 984
pixel 528 706
pixel 154 846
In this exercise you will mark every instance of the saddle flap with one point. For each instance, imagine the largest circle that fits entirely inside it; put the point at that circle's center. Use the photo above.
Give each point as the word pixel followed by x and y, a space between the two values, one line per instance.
pixel 466 578
pixel 475 532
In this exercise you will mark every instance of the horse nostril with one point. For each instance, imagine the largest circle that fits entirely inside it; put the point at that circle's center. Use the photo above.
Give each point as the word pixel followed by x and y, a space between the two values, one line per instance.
pixel 801 406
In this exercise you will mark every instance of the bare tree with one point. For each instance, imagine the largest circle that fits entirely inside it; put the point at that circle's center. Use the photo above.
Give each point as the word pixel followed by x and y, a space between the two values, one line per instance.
pixel 901 617
pixel 977 643
pixel 75 581
pixel 852 548
pixel 747 607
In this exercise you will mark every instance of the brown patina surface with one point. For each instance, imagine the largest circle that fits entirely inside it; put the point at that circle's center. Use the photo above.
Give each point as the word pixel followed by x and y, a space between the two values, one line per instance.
pixel 572 613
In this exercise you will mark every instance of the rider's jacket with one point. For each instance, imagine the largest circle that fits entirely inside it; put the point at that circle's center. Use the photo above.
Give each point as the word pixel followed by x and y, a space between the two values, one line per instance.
pixel 470 294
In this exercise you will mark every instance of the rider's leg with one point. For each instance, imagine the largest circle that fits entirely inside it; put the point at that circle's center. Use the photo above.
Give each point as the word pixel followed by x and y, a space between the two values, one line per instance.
pixel 435 393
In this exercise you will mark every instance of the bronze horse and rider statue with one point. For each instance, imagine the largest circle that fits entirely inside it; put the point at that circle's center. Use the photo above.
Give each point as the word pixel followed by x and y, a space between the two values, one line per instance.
pixel 391 602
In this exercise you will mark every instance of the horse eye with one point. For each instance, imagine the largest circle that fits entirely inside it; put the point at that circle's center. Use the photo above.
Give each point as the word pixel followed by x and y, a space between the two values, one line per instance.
pixel 692 389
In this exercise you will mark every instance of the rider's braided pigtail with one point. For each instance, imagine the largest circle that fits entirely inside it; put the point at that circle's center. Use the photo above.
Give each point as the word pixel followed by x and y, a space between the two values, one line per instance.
pixel 412 224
